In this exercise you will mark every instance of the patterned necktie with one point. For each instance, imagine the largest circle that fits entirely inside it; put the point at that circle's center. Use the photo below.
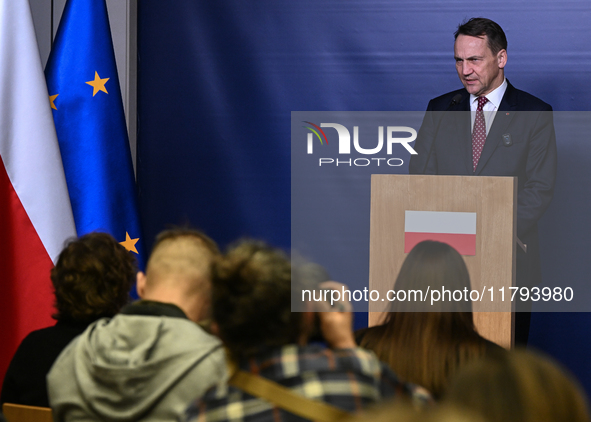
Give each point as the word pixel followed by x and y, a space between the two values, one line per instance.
pixel 479 132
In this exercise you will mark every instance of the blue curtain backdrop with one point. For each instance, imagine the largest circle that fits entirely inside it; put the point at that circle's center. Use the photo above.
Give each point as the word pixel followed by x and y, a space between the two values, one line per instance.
pixel 219 80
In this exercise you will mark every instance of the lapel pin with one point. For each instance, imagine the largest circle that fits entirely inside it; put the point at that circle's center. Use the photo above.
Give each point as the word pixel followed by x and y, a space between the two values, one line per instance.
pixel 507 141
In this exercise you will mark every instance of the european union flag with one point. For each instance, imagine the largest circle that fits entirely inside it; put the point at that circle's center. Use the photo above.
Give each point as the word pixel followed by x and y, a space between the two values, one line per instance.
pixel 88 114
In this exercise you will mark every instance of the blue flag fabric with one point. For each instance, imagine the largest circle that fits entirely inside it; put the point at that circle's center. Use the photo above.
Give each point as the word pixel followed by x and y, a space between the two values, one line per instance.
pixel 88 113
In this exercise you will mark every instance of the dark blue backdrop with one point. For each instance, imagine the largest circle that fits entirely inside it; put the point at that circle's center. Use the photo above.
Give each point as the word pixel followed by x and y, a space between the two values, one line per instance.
pixel 218 81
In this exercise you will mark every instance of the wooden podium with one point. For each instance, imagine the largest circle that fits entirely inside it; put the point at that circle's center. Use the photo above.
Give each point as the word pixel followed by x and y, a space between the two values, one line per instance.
pixel 493 199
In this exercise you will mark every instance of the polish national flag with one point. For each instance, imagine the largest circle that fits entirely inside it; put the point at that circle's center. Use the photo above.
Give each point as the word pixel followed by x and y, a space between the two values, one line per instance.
pixel 35 213
pixel 457 229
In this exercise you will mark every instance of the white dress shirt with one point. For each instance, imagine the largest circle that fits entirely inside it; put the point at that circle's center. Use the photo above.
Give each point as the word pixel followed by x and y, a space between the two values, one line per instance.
pixel 490 108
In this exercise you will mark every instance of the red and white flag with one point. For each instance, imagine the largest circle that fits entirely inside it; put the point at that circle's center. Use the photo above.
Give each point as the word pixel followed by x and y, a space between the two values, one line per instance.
pixel 35 213
pixel 457 229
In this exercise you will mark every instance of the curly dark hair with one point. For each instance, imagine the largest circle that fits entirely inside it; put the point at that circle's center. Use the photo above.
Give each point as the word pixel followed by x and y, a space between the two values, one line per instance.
pixel 92 278
pixel 251 296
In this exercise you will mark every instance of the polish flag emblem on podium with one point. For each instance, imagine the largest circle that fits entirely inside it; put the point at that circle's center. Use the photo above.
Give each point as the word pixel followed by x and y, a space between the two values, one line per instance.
pixel 457 229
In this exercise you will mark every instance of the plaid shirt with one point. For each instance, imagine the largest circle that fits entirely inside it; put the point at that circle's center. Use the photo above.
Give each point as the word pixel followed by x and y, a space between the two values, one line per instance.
pixel 350 379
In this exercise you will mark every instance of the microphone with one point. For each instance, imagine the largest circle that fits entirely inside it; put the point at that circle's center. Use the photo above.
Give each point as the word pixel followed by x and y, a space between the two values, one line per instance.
pixel 455 100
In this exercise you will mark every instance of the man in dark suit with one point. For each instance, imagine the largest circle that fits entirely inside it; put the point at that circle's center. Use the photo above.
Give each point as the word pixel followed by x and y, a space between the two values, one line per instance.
pixel 490 128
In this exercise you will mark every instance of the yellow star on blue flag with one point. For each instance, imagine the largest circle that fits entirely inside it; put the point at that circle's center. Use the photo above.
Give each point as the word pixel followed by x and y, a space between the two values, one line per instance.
pixel 129 243
pixel 98 84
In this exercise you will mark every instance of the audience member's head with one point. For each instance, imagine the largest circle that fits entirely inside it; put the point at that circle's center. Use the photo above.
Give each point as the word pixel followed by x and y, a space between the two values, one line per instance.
pixel 150 360
pixel 402 411
pixel 432 265
pixel 427 347
pixel 92 278
pixel 179 271
pixel 519 386
pixel 252 299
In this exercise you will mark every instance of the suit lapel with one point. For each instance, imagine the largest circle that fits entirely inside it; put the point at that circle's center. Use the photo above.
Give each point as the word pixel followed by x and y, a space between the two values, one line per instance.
pixel 464 130
pixel 499 127
pixel 455 133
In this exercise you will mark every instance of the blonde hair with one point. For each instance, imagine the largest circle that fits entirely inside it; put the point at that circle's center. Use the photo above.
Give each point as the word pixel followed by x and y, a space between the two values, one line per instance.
pixel 519 386
pixel 402 411
pixel 182 256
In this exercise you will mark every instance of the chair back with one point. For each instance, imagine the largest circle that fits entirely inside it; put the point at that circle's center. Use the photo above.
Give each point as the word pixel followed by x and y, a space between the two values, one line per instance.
pixel 21 413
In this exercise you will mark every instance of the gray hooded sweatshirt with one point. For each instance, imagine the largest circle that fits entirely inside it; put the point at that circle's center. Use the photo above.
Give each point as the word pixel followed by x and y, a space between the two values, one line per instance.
pixel 135 366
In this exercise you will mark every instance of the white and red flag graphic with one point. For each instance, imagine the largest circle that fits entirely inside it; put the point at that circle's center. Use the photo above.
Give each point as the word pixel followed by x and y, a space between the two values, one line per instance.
pixel 457 229
pixel 35 213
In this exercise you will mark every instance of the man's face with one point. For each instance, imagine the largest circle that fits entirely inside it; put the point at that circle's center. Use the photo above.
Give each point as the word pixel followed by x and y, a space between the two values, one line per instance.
pixel 480 71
